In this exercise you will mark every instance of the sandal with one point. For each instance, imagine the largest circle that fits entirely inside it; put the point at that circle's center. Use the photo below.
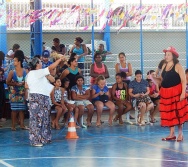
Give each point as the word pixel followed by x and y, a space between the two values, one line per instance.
pixel 142 123
pixel 57 127
pixel 102 122
pixel 88 125
pixel 38 145
pixel 120 123
pixel 24 128
pixel 13 129
pixel 110 124
pixel 98 125
pixel 180 139
pixel 129 122
pixel 169 138
pixel 78 127
pixel 53 125
pixel 116 118
pixel 131 117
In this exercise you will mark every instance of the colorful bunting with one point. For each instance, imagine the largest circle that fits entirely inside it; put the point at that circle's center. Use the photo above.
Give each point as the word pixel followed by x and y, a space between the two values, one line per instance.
pixel 120 15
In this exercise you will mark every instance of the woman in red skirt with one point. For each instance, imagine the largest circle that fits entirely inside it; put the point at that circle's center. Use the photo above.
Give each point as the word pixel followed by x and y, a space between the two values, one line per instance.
pixel 173 104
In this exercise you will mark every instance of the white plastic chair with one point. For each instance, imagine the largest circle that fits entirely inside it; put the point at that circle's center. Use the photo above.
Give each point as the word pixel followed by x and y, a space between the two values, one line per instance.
pixel 137 113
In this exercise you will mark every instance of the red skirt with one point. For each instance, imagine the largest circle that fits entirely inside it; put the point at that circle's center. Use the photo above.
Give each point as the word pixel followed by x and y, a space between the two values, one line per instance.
pixel 173 111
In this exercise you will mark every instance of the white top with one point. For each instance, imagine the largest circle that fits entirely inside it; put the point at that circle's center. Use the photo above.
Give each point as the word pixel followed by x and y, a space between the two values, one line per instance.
pixel 48 48
pixel 10 52
pixel 38 83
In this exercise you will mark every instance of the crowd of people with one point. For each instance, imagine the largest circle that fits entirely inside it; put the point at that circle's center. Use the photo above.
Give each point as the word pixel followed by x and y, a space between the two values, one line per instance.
pixel 58 85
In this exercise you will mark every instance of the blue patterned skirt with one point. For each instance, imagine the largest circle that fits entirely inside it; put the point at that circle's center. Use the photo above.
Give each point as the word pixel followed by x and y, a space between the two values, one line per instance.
pixel 39 121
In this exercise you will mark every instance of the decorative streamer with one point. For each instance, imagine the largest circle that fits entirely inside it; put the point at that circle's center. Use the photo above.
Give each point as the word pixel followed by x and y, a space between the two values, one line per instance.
pixel 100 15
pixel 165 11
pixel 135 14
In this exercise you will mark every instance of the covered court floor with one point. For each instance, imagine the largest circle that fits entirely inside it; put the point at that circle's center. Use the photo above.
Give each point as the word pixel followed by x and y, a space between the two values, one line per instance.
pixel 127 145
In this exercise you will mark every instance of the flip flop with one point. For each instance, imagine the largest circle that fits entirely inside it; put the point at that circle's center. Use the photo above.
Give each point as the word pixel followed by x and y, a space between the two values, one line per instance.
pixel 89 125
pixel 57 127
pixel 98 125
pixel 110 124
pixel 121 123
pixel 24 128
pixel 116 118
pixel 169 138
pixel 13 129
pixel 78 127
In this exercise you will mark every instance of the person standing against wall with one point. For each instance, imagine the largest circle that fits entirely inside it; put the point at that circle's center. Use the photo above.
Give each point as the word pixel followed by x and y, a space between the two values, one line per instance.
pixel 16 81
pixel 57 47
pixel 102 52
pixel 10 55
pixel 80 50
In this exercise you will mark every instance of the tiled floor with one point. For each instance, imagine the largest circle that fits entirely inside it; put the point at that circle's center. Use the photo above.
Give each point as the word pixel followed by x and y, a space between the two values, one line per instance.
pixel 127 145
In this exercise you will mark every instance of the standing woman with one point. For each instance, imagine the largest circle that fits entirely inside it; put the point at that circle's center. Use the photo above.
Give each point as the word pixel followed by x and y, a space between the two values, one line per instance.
pixel 39 102
pixel 125 67
pixel 16 81
pixel 80 50
pixel 173 104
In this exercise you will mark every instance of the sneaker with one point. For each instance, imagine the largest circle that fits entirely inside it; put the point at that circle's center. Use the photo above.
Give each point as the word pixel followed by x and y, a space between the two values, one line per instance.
pixel 38 145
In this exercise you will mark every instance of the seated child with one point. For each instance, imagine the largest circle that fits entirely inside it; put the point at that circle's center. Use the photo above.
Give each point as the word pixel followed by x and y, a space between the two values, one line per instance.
pixel 70 104
pixel 81 94
pixel 58 103
pixel 154 95
pixel 100 98
pixel 120 96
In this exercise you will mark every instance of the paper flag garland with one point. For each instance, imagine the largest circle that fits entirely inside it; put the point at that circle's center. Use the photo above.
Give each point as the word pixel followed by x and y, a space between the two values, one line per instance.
pixel 120 15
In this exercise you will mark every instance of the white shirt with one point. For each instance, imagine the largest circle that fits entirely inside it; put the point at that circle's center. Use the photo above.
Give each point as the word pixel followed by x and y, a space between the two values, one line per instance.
pixel 10 53
pixel 48 48
pixel 38 83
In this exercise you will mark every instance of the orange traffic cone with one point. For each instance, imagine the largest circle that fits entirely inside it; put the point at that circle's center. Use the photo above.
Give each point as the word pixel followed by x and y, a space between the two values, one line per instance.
pixel 71 134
